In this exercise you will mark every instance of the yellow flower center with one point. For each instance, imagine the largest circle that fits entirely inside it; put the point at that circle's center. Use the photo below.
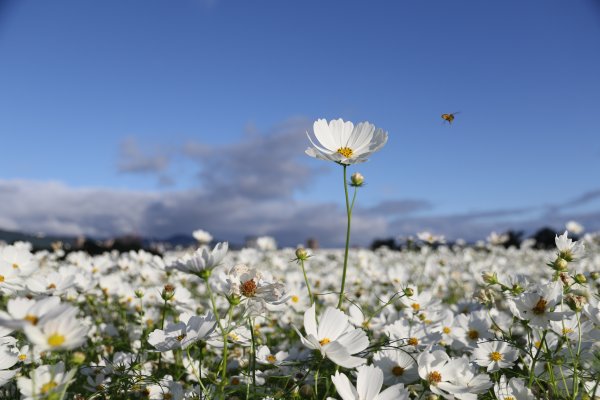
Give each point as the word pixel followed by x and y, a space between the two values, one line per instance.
pixel 235 381
pixel 271 358
pixel 540 307
pixel 56 340
pixel 495 356
pixel 51 286
pixel 473 334
pixel 46 387
pixel 398 370
pixel 295 299
pixel 566 331
pixel 413 341
pixel 345 151
pixel 415 306
pixel 181 337
pixel 446 330
pixel 15 266
pixel 325 341
pixel 32 319
pixel 1 278
pixel 509 398
pixel 233 336
pixel 22 357
pixel 434 377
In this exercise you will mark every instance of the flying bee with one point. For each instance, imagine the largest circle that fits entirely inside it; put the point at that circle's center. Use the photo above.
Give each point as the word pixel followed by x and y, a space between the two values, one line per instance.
pixel 449 117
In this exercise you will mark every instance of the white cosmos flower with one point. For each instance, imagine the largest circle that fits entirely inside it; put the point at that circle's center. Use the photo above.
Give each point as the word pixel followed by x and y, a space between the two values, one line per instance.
pixel 495 355
pixel 61 332
pixel 574 227
pixel 202 237
pixel 567 249
pixel 47 381
pixel 182 334
pixel 514 389
pixel 334 337
pixel 201 260
pixel 369 380
pixel 344 143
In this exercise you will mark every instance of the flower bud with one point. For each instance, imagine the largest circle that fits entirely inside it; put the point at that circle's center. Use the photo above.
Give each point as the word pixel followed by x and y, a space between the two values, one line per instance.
pixel 489 277
pixel 357 179
pixel 301 254
pixel 580 278
pixel 560 264
pixel 168 292
pixel 78 358
pixel 595 275
pixel 409 292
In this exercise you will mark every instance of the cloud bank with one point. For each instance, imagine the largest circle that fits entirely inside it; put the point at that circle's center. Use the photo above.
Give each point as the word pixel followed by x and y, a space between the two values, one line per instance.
pixel 247 188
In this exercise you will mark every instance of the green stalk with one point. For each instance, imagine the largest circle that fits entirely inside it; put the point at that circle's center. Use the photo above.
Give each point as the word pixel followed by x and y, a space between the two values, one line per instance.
pixel 349 218
pixel 310 296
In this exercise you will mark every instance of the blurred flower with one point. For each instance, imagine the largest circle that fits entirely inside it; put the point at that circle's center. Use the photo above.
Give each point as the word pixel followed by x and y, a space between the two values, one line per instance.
pixel 567 249
pixel 201 260
pixel 430 238
pixel 574 227
pixel 47 382
pixel 202 237
pixel 369 380
pixel 344 143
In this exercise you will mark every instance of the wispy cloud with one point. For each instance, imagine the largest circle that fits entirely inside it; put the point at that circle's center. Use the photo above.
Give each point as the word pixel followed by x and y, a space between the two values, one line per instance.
pixel 134 159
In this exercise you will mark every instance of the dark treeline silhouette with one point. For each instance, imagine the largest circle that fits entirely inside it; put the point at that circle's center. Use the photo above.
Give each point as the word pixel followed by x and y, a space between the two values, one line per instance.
pixel 544 239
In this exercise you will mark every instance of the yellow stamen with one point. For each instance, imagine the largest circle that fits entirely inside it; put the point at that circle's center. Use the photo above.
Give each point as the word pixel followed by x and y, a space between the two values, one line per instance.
pixel 1 278
pixel 398 370
pixel 22 357
pixel 540 307
pixel 15 266
pixel 413 341
pixel 323 342
pixel 446 330
pixel 495 356
pixel 434 377
pixel 473 334
pixel 56 340
pixel 46 387
pixel 271 358
pixel 295 299
pixel 345 151
pixel 32 319
pixel 415 306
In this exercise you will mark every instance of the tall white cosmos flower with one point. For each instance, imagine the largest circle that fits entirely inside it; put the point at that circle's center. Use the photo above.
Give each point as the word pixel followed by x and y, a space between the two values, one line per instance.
pixel 342 142
pixel 567 249
pixel 334 337
pixel 368 384
pixel 202 260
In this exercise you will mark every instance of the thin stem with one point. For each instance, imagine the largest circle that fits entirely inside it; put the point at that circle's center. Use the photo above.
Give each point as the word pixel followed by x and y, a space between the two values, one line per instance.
pixel 349 218
pixel 252 354
pixel 310 296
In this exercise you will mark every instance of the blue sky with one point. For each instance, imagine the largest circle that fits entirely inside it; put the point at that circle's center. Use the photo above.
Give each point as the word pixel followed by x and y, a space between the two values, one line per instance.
pixel 161 101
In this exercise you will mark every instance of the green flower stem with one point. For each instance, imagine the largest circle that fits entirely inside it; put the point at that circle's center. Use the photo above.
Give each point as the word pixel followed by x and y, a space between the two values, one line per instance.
pixel 349 208
pixel 310 296
pixel 223 333
pixel 252 360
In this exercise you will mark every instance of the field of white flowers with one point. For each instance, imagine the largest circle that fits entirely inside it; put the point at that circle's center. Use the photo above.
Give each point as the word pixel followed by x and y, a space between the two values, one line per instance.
pixel 432 321
pixel 467 322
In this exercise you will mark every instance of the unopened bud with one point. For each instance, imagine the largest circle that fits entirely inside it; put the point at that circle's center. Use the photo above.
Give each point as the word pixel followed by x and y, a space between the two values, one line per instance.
pixel 357 179
pixel 409 292
pixel 301 254
pixel 580 278
pixel 78 358
pixel 489 277
pixel 306 391
pixel 168 292
pixel 139 293
pixel 595 275
pixel 560 264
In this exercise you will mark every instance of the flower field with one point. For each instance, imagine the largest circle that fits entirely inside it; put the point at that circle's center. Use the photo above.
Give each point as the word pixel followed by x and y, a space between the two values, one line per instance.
pixel 431 321
pixel 452 321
